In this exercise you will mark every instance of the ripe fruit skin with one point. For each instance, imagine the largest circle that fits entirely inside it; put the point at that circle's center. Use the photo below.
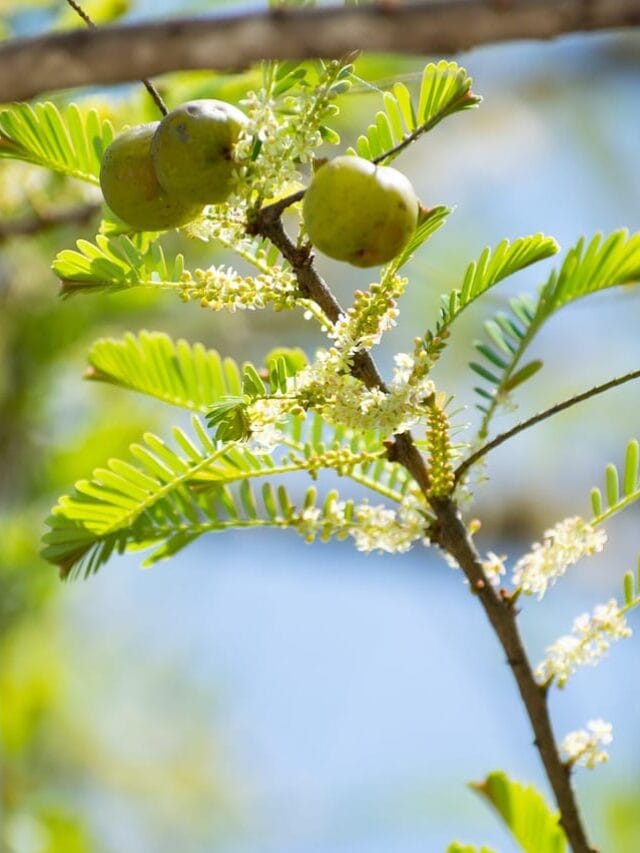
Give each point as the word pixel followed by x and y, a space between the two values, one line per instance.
pixel 130 186
pixel 361 213
pixel 192 150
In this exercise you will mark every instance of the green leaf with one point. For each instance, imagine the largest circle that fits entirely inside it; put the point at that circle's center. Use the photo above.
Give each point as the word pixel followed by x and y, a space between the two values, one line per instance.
pixel 430 221
pixel 524 811
pixel 445 89
pixel 71 142
pixel 617 500
pixel 456 847
pixel 169 497
pixel 117 263
pixel 492 267
pixel 587 268
pixel 199 380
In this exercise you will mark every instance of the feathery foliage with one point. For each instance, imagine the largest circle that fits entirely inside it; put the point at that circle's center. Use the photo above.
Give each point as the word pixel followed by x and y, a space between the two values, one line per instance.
pixel 587 268
pixel 445 89
pixel 191 377
pixel 195 378
pixel 117 263
pixel 71 142
pixel 166 500
pixel 429 222
pixel 620 491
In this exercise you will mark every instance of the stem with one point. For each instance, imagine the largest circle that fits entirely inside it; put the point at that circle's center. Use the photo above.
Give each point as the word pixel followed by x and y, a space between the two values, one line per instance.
pixel 151 89
pixel 541 416
pixel 452 536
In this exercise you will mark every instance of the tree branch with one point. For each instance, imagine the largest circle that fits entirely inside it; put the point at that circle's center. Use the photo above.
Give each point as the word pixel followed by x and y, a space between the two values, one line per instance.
pixel 29 67
pixel 451 534
pixel 453 537
pixel 268 224
pixel 541 416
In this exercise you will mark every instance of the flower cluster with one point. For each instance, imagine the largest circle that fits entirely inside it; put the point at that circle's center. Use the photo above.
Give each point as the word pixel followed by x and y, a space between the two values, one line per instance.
pixel 278 140
pixel 373 528
pixel 222 287
pixel 588 642
pixel 326 386
pixel 563 546
pixel 372 314
pixel 583 747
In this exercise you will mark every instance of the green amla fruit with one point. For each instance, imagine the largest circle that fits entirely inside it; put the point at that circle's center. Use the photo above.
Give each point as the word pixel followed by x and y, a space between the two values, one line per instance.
pixel 131 189
pixel 358 212
pixel 193 152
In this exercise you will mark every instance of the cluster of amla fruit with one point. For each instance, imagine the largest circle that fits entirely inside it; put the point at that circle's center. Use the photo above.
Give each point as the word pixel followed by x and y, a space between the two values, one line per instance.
pixel 160 175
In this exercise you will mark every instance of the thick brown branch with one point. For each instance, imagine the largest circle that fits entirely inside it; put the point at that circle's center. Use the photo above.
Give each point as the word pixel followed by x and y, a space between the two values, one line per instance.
pixel 29 67
pixel 454 538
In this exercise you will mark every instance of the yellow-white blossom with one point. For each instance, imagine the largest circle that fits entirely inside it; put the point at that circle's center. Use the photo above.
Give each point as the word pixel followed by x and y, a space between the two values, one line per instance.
pixel 563 546
pixel 583 747
pixel 590 639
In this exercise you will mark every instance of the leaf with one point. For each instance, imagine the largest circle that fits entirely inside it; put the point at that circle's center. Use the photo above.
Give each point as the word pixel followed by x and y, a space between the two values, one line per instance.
pixel 492 267
pixel 617 500
pixel 524 811
pixel 445 89
pixel 430 221
pixel 180 374
pixel 456 847
pixel 166 498
pixel 117 263
pixel 71 142
pixel 631 588
pixel 587 268
pixel 199 380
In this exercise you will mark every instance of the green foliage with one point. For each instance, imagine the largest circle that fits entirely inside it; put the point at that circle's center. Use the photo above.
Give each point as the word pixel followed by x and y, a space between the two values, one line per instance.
pixel 70 142
pixel 456 847
pixel 429 222
pixel 180 374
pixel 525 813
pixel 620 491
pixel 170 498
pixel 117 263
pixel 631 588
pixel 493 267
pixel 587 269
pixel 445 89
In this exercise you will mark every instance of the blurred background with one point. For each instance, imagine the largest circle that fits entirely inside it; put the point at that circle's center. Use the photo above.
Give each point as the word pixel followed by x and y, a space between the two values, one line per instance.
pixel 259 694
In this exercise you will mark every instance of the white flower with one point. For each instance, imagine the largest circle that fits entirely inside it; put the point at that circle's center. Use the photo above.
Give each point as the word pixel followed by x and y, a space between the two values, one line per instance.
pixel 493 568
pixel 379 528
pixel 590 639
pixel 582 747
pixel 563 546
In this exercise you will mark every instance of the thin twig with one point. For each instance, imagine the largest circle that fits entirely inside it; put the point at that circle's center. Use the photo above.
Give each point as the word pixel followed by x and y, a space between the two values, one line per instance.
pixel 151 89
pixel 541 416
pixel 29 67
